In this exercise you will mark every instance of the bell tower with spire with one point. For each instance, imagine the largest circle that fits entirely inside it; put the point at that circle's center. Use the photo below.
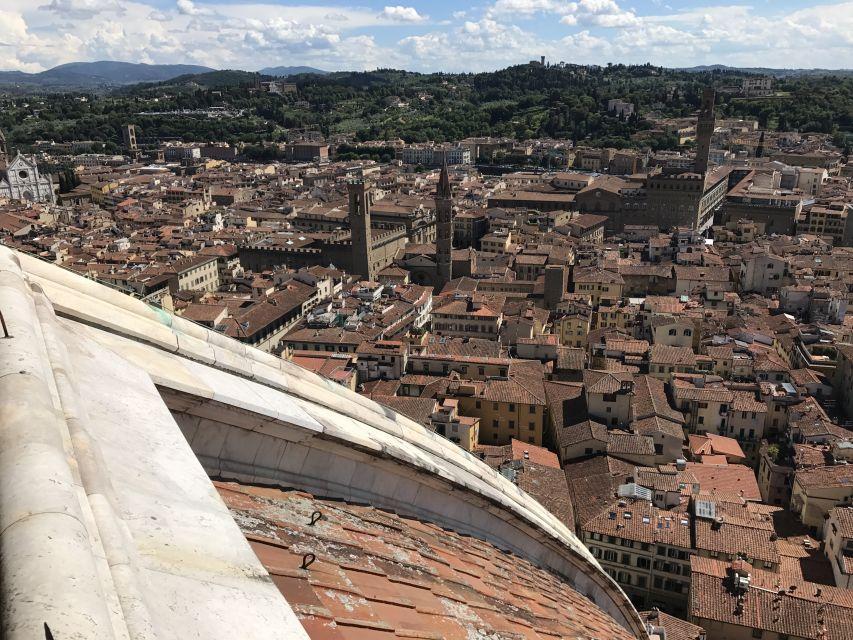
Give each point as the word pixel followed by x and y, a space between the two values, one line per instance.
pixel 444 230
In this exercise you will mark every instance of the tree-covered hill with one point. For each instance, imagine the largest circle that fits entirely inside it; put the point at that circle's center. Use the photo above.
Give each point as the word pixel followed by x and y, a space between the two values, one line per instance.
pixel 524 101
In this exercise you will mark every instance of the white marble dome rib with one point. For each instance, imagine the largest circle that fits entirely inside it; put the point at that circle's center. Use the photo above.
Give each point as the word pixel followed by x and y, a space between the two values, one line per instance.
pixel 130 399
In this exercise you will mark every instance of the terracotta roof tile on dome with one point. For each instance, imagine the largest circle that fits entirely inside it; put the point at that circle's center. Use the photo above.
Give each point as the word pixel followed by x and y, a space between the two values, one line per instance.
pixel 377 575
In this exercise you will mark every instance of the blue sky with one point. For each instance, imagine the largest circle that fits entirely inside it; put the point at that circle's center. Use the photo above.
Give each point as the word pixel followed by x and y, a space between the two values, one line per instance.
pixel 426 36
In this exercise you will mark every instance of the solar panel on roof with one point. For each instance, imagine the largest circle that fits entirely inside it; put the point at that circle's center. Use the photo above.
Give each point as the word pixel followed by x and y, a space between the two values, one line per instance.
pixel 633 490
pixel 705 509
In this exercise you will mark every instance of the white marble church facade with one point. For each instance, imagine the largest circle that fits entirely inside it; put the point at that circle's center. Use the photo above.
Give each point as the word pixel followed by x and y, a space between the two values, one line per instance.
pixel 20 180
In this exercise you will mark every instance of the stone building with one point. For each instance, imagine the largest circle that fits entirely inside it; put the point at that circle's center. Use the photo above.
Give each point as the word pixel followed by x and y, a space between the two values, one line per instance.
pixel 20 179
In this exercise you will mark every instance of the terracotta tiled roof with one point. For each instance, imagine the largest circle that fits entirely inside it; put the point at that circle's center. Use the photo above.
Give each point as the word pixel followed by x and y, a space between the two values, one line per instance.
pixel 593 483
pixel 380 388
pixel 732 538
pixel 725 352
pixel 684 390
pixel 377 575
pixel 548 486
pixel 664 481
pixel 655 424
pixel 570 358
pixel 565 401
pixel 676 628
pixel 643 522
pixel 650 400
pixel 516 389
pixel 844 517
pixel 582 432
pixel 713 444
pixel 622 443
pixel 745 401
pixel 536 455
pixel 418 409
pixel 626 345
pixel 597 275
pixel 831 476
pixel 605 382
pixel 798 613
pixel 705 274
pixel 735 479
pixel 665 354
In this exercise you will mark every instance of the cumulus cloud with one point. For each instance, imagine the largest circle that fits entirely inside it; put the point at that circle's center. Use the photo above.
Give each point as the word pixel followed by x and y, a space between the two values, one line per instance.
pixel 402 14
pixel 250 34
pixel 602 13
pixel 189 8
pixel 285 34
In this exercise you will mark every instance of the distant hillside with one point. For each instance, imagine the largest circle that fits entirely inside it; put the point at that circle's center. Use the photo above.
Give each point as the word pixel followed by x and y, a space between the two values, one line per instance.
pixel 766 71
pixel 91 75
pixel 524 102
pixel 223 79
pixel 290 71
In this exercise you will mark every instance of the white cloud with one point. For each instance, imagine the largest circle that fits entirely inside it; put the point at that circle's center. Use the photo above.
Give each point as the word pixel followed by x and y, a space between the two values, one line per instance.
pixel 528 7
pixel 602 13
pixel 189 8
pixel 288 35
pixel 402 14
pixel 250 34
pixel 82 8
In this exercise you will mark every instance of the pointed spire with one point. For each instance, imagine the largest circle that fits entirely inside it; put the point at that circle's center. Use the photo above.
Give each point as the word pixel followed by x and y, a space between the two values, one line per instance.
pixel 444 183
